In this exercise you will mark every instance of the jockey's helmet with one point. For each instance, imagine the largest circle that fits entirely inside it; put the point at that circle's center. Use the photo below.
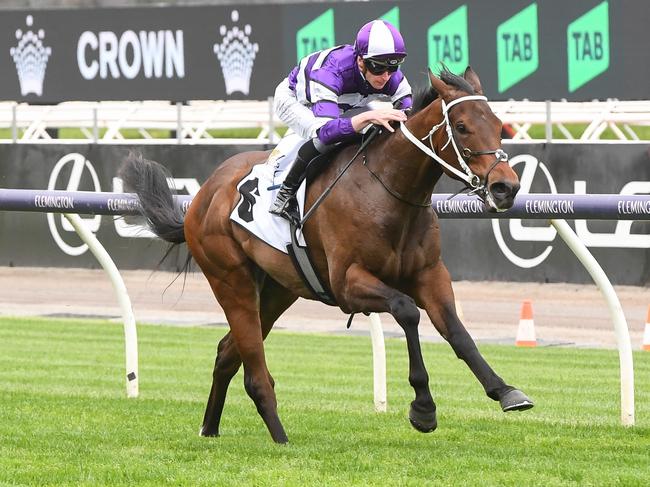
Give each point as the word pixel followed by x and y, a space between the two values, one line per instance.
pixel 380 42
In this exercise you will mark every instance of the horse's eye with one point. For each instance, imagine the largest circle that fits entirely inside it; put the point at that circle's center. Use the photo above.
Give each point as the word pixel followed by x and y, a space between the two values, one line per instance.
pixel 460 127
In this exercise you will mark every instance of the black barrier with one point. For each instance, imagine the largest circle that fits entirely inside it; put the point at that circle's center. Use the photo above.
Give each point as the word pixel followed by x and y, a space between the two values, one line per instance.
pixel 481 249
pixel 528 206
pixel 536 50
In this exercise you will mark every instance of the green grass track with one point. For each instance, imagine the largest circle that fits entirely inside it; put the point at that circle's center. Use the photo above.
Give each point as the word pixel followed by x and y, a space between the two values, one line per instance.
pixel 65 418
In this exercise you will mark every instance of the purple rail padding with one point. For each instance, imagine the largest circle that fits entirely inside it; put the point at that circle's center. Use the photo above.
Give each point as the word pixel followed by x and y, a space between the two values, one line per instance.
pixel 82 202
pixel 546 206
pixel 527 206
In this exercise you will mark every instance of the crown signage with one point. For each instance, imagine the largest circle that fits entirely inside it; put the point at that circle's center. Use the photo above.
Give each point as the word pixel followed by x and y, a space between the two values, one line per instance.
pixel 236 56
pixel 30 57
pixel 153 54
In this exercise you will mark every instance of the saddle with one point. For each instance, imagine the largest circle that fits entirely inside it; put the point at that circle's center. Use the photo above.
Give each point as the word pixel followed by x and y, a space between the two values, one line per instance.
pixel 257 191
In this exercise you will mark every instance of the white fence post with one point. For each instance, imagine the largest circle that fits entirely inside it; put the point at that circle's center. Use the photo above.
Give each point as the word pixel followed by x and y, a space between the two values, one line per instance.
pixel 130 333
pixel 378 362
pixel 179 122
pixel 271 122
pixel 616 312
pixel 14 124
pixel 95 125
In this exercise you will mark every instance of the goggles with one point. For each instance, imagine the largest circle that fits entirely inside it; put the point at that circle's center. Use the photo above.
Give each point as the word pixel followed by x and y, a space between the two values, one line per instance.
pixel 380 66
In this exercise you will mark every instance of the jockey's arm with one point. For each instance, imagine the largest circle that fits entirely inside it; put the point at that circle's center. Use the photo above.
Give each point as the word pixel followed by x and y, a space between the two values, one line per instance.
pixel 401 100
pixel 378 117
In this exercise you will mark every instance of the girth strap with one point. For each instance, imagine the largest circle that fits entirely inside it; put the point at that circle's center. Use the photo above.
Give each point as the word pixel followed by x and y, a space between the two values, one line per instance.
pixel 303 264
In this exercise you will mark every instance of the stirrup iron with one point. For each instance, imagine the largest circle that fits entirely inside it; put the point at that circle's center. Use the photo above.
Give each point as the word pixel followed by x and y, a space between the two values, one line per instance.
pixel 286 205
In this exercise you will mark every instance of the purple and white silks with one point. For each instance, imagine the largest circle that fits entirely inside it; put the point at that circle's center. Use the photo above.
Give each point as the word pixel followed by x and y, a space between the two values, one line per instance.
pixel 329 83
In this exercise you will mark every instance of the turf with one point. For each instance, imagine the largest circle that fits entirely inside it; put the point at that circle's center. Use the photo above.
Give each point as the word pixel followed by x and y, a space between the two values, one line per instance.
pixel 65 420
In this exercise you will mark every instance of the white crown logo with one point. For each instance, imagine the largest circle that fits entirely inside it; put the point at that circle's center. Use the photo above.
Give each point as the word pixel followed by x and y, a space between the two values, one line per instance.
pixel 236 55
pixel 30 58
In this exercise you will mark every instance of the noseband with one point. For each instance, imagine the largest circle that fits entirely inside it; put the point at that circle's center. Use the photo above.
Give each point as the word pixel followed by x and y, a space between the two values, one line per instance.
pixel 473 181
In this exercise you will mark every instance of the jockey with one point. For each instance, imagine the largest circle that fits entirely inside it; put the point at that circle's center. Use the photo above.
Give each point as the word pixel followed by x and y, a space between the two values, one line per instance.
pixel 313 100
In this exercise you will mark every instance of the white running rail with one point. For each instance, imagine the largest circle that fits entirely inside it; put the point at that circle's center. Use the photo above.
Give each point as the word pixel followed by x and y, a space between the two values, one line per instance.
pixel 196 121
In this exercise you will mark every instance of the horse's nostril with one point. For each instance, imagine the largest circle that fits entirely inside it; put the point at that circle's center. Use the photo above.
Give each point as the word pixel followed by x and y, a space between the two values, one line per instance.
pixel 515 189
pixel 504 192
pixel 501 191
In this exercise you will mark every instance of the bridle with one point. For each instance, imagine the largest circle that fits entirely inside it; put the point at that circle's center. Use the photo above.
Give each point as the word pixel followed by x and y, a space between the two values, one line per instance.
pixel 474 183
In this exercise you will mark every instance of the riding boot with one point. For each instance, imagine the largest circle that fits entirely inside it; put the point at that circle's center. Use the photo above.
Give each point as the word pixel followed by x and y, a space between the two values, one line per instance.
pixel 285 204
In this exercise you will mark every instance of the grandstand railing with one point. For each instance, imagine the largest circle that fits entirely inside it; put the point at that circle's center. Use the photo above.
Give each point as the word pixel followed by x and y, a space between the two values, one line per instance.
pixel 197 121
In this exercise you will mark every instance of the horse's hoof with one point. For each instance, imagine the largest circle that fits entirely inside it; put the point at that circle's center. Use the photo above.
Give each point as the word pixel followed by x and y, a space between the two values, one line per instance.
pixel 423 422
pixel 208 434
pixel 515 400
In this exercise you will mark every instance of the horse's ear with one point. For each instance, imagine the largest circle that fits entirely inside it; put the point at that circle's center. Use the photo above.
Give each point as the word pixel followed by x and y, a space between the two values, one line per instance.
pixel 472 78
pixel 438 85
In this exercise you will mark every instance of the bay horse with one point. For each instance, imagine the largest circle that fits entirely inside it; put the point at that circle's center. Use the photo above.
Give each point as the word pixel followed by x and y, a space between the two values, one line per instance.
pixel 374 241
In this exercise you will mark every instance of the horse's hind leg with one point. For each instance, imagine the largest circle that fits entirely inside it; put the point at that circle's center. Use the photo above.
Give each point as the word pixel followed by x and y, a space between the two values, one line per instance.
pixel 364 292
pixel 226 366
pixel 274 300
pixel 433 292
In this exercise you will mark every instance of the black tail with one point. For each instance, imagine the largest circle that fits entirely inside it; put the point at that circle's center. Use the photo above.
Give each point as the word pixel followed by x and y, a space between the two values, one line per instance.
pixel 148 180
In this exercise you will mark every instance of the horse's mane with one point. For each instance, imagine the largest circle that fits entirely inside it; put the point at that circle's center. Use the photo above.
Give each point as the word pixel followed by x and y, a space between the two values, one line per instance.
pixel 424 96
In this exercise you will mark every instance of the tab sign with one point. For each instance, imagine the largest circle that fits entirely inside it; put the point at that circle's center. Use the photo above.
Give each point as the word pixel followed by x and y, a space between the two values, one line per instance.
pixel 588 46
pixel 517 48
pixel 316 35
pixel 447 42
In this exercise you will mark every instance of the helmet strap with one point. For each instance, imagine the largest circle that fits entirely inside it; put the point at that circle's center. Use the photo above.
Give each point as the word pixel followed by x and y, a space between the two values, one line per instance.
pixel 363 70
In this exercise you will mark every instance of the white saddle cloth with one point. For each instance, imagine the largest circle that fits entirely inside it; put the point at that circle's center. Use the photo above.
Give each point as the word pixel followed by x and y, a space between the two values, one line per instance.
pixel 257 191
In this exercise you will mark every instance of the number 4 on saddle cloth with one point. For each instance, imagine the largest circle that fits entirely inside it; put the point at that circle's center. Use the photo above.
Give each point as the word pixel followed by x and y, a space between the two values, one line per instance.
pixel 257 192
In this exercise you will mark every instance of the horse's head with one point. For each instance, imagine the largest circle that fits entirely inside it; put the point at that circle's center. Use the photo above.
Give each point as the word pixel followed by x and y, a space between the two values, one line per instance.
pixel 469 139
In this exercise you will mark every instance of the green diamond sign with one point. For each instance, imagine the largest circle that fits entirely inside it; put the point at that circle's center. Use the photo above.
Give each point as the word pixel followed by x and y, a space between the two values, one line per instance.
pixel 392 17
pixel 316 35
pixel 588 46
pixel 447 42
pixel 517 47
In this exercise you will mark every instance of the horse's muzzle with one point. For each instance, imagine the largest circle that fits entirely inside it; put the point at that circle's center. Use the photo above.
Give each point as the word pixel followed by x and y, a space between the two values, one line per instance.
pixel 503 194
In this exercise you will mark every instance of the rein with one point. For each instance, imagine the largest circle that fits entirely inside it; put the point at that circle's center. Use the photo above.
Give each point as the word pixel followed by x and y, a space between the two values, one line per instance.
pixel 392 192
pixel 473 181
pixel 371 135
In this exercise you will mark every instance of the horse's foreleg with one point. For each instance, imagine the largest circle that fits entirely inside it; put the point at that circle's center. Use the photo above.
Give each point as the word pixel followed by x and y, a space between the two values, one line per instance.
pixel 363 292
pixel 433 292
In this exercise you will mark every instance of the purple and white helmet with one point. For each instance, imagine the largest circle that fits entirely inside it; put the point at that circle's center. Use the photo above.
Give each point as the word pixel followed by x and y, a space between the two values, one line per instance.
pixel 379 39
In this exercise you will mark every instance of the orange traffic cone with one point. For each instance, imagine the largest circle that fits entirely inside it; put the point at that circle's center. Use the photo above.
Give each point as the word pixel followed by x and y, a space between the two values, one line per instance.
pixel 526 331
pixel 646 334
